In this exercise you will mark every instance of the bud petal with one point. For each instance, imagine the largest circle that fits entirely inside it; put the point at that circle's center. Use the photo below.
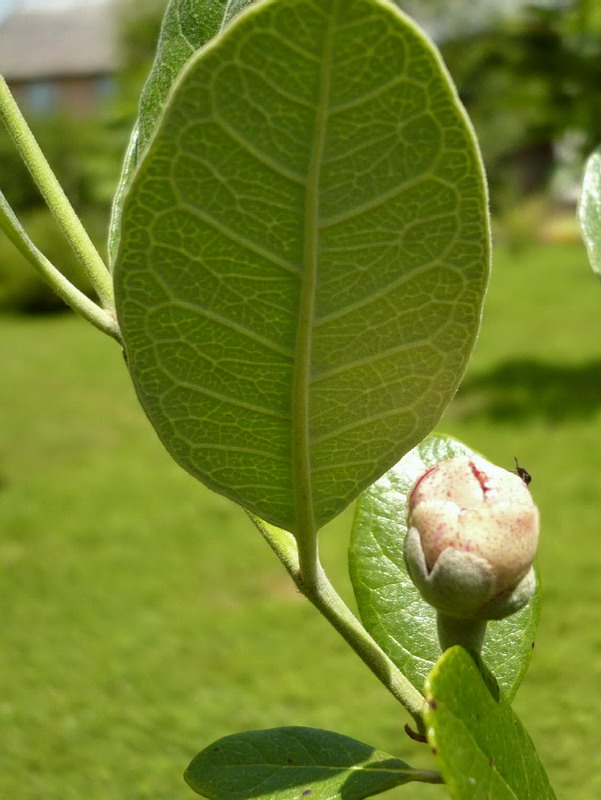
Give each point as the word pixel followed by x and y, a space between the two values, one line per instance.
pixel 472 536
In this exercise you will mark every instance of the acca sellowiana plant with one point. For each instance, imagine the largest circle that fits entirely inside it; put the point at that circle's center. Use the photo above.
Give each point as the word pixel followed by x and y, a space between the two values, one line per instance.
pixel 299 251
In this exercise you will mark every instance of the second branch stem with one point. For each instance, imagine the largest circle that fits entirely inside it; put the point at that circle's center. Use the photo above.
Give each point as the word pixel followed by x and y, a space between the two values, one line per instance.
pixel 327 600
pixel 324 597
pixel 55 198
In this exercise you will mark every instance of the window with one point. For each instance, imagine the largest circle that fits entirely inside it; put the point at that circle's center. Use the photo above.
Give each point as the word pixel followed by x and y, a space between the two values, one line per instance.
pixel 105 86
pixel 40 97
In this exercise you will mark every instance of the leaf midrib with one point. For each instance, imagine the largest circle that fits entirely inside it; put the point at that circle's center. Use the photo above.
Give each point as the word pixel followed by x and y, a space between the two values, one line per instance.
pixel 334 768
pixel 304 511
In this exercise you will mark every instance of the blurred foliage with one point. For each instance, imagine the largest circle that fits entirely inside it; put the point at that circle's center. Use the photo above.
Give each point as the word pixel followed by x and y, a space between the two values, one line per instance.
pixel 532 86
pixel 140 24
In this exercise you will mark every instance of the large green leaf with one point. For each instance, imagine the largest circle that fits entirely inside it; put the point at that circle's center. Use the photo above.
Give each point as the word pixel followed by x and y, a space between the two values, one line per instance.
pixel 483 751
pixel 295 763
pixel 304 254
pixel 589 210
pixel 187 26
pixel 391 607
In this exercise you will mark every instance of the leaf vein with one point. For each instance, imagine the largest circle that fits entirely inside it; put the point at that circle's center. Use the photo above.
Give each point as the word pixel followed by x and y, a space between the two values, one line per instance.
pixel 222 398
pixel 243 241
pixel 383 291
pixel 235 449
pixel 380 199
pixel 372 358
pixel 359 423
pixel 373 94
pixel 234 326
pixel 293 98
pixel 263 158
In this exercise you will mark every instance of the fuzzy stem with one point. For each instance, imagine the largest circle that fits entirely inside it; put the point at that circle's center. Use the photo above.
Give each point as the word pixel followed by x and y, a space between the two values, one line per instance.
pixel 79 302
pixel 325 598
pixel 468 633
pixel 427 776
pixel 55 198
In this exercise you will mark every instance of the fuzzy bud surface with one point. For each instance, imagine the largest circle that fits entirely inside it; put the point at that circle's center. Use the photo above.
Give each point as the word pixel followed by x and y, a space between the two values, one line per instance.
pixel 472 536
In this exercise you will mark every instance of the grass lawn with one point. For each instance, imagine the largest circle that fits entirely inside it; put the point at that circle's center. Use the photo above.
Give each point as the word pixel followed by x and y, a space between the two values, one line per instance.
pixel 142 617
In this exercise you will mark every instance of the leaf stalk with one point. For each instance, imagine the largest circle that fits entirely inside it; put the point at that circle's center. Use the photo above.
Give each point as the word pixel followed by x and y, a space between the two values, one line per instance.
pixel 427 776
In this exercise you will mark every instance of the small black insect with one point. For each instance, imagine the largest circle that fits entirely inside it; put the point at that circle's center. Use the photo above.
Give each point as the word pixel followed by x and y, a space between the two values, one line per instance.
pixel 521 472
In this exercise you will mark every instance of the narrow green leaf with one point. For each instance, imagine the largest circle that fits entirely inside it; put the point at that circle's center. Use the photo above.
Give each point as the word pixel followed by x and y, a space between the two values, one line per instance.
pixel 296 763
pixel 483 750
pixel 304 254
pixel 391 607
pixel 187 26
pixel 589 210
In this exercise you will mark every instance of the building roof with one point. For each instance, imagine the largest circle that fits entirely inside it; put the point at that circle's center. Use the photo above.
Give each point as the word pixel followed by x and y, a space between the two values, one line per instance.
pixel 37 43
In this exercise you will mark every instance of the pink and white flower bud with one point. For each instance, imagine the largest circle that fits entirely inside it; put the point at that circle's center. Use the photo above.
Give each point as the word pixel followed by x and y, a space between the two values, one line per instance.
pixel 471 539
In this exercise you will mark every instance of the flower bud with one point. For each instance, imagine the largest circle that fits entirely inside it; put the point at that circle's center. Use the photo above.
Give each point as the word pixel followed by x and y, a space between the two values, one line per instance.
pixel 471 539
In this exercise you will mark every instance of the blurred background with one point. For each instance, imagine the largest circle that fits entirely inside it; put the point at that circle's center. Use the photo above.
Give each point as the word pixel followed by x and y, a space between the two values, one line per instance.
pixel 141 615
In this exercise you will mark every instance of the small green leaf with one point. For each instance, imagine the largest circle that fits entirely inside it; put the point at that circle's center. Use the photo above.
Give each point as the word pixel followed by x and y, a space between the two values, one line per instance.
pixel 392 609
pixel 589 210
pixel 187 26
pixel 304 254
pixel 294 764
pixel 483 750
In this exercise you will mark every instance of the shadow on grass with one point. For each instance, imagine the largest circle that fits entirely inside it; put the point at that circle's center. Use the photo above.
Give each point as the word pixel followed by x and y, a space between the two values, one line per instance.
pixel 528 388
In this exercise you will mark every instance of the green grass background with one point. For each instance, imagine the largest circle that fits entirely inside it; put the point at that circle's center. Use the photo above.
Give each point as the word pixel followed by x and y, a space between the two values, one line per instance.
pixel 141 616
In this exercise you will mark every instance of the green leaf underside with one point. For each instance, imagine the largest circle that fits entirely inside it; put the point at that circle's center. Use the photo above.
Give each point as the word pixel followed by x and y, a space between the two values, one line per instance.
pixel 187 26
pixel 293 764
pixel 589 210
pixel 482 749
pixel 304 254
pixel 391 607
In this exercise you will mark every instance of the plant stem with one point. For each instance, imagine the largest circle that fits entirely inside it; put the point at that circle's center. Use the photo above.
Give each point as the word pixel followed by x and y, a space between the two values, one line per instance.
pixel 78 301
pixel 427 776
pixel 325 598
pixel 468 633
pixel 55 198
